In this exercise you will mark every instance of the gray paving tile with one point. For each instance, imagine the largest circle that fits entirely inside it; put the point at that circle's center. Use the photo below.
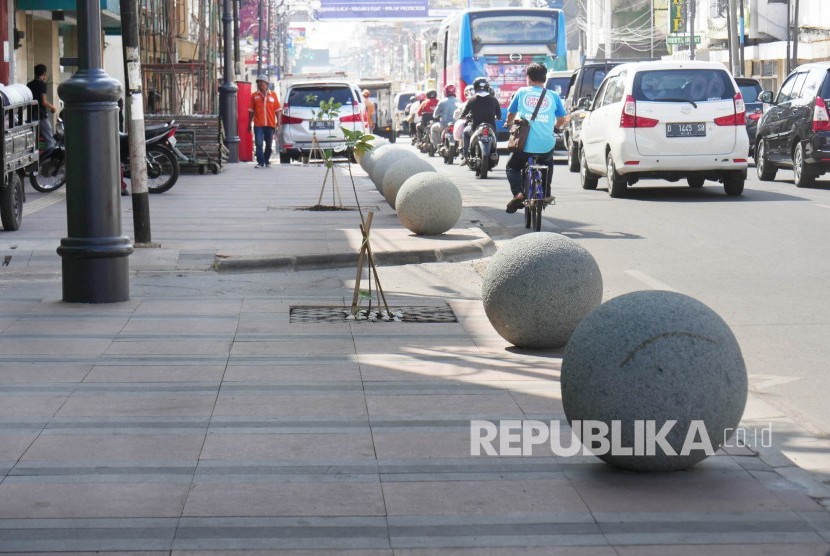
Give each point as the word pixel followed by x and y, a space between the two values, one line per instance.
pixel 594 550
pixel 21 405
pixel 158 347
pixel 122 447
pixel 87 536
pixel 310 373
pixel 12 446
pixel 155 373
pixel 285 499
pixel 473 405
pixel 114 405
pixel 30 346
pixel 507 497
pixel 725 549
pixel 422 444
pixel 346 404
pixel 38 372
pixel 269 446
pixel 50 500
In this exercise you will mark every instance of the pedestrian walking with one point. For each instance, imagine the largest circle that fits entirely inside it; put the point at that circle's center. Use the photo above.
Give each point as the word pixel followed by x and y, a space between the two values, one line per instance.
pixel 263 118
pixel 370 110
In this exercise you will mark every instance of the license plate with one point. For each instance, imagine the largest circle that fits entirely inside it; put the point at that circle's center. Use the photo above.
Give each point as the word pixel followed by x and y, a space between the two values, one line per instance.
pixel 694 129
pixel 172 141
pixel 315 124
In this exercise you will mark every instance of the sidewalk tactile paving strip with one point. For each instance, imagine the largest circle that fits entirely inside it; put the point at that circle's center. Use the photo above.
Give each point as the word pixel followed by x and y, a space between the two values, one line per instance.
pixel 307 314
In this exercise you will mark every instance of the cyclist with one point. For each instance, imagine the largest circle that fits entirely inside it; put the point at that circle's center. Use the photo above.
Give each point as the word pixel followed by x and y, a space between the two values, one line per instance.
pixel 540 139
pixel 483 108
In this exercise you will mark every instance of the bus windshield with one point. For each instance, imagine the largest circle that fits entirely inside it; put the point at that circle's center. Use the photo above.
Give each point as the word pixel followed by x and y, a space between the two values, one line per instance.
pixel 512 29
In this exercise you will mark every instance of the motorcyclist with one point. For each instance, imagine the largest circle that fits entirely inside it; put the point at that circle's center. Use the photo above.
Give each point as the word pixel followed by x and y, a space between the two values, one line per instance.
pixel 540 138
pixel 483 108
pixel 414 104
pixel 443 114
pixel 425 112
pixel 460 123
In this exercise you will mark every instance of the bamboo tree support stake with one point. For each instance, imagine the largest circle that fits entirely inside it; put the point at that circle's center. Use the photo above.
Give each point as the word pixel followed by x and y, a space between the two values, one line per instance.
pixel 363 256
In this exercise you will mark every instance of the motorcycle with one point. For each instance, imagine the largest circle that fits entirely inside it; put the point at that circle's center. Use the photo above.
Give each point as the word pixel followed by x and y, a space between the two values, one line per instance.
pixel 162 159
pixel 161 154
pixel 448 148
pixel 423 141
pixel 483 153
pixel 50 173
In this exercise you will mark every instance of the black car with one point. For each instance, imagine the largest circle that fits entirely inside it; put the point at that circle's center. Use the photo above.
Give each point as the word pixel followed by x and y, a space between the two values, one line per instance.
pixel 750 89
pixel 794 132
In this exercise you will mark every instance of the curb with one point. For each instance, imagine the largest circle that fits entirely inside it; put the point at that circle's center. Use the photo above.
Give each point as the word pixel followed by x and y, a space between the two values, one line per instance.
pixel 285 263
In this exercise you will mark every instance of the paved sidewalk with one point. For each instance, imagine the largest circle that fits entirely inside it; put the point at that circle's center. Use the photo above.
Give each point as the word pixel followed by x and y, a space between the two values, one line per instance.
pixel 198 417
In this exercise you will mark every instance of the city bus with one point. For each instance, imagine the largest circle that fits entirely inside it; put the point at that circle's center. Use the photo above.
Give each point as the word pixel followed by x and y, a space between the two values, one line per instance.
pixel 499 43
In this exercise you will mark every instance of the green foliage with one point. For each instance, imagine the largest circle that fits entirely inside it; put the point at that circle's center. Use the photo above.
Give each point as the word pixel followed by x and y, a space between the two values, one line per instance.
pixel 329 110
pixel 358 141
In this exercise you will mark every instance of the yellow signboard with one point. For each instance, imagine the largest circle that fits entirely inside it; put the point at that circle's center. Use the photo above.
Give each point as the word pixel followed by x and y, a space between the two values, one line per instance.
pixel 677 16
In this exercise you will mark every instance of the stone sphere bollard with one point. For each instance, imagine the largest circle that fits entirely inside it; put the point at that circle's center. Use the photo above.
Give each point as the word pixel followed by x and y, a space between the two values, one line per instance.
pixel 399 173
pixel 646 358
pixel 428 204
pixel 367 160
pixel 538 287
pixel 386 160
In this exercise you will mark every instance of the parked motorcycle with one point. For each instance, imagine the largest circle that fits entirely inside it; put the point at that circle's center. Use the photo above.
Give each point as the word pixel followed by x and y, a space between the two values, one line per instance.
pixel 162 156
pixel 448 148
pixel 50 173
pixel 483 153
pixel 162 163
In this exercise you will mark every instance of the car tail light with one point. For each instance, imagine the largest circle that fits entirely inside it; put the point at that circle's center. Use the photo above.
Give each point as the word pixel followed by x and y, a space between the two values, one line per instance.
pixel 286 119
pixel 629 117
pixel 755 116
pixel 739 160
pixel 351 118
pixel 821 121
pixel 736 118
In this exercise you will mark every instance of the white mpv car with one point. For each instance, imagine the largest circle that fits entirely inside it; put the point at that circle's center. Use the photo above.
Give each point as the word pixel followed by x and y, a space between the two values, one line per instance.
pixel 668 120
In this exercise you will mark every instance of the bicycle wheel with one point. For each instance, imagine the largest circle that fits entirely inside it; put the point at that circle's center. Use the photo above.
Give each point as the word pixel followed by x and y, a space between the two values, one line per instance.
pixel 50 174
pixel 526 192
pixel 162 169
pixel 537 215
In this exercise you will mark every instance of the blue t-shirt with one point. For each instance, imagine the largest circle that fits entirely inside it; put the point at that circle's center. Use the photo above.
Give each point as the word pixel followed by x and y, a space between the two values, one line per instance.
pixel 540 139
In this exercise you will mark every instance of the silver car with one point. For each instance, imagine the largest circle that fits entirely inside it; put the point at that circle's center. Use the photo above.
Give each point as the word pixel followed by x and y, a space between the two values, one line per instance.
pixel 300 123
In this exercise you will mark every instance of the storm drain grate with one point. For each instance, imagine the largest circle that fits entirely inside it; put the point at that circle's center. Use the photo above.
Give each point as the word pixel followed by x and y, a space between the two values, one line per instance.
pixel 411 313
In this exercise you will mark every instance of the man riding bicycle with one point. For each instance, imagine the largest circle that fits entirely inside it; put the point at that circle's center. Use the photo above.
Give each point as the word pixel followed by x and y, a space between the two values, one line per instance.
pixel 540 139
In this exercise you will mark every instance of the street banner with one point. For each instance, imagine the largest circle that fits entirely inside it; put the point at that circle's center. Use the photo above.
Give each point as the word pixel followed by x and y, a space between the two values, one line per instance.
pixel 677 16
pixel 372 9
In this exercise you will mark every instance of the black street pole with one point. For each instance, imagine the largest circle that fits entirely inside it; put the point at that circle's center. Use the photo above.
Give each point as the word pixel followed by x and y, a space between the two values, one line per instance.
pixel 227 91
pixel 268 42
pixel 259 41
pixel 134 123
pixel 237 57
pixel 95 265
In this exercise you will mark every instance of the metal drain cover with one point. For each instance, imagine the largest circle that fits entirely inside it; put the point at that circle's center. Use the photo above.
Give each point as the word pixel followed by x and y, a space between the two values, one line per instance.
pixel 410 313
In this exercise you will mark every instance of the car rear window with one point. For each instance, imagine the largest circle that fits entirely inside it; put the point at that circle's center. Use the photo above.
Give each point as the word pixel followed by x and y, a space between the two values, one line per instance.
pixel 825 87
pixel 403 100
pixel 684 84
pixel 559 84
pixel 750 91
pixel 311 97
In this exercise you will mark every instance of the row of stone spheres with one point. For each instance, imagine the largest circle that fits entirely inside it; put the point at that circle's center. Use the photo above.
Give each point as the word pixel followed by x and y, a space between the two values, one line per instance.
pixel 657 373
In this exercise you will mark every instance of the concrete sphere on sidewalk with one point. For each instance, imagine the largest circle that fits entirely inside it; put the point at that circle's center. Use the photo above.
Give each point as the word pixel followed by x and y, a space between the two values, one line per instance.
pixel 538 287
pixel 428 204
pixel 656 356
pixel 368 158
pixel 386 160
pixel 399 173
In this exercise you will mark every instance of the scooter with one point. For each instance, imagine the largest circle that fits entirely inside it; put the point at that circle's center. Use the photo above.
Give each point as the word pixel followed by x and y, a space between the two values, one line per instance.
pixel 161 154
pixel 51 170
pixel 423 141
pixel 483 153
pixel 448 147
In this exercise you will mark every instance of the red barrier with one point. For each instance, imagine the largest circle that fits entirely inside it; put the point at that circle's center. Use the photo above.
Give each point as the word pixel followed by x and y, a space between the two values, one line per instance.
pixel 246 136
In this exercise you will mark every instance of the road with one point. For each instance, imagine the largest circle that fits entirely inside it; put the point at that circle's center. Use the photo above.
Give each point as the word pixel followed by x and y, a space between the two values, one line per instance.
pixel 761 261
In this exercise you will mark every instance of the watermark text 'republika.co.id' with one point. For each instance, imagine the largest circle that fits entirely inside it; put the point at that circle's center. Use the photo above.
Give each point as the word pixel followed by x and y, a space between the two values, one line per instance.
pixel 514 437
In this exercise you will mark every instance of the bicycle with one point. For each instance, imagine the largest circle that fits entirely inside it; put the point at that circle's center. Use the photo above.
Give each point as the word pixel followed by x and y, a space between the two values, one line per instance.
pixel 536 192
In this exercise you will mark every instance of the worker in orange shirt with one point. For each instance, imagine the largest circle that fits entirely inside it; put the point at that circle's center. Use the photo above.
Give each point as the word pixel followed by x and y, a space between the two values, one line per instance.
pixel 370 110
pixel 263 118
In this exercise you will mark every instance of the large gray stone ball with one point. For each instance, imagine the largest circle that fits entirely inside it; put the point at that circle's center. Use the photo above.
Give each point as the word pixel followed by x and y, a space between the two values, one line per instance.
pixel 428 204
pixel 367 160
pixel 399 173
pixel 538 287
pixel 655 356
pixel 386 160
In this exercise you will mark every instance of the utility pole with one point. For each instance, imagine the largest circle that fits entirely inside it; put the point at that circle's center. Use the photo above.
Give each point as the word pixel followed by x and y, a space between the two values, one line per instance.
pixel 795 34
pixel 237 57
pixel 742 30
pixel 268 41
pixel 691 17
pixel 789 39
pixel 95 266
pixel 609 47
pixel 259 40
pixel 733 38
pixel 134 124
pixel 651 33
pixel 227 91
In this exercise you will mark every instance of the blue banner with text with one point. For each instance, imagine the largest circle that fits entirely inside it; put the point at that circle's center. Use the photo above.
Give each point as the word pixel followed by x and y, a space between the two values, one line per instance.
pixel 372 9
